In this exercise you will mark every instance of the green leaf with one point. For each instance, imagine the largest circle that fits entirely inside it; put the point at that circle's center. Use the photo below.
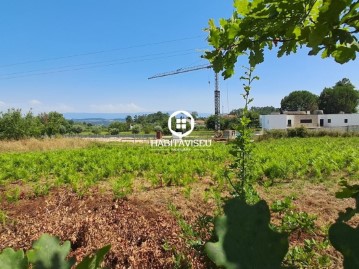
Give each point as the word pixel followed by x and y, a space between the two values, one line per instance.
pixel 242 7
pixel 256 57
pixel 94 261
pixel 245 240
pixel 297 32
pixel 345 239
pixel 343 54
pixel 314 51
pixel 47 253
pixel 319 25
pixel 317 35
pixel 331 10
pixel 232 30
pixel 325 54
pixel 214 36
pixel 10 259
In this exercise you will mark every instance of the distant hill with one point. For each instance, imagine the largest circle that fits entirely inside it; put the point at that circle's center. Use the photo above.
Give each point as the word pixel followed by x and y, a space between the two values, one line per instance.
pixel 107 118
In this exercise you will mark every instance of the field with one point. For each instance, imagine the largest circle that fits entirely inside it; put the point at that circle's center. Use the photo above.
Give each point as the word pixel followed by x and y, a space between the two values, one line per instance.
pixel 155 204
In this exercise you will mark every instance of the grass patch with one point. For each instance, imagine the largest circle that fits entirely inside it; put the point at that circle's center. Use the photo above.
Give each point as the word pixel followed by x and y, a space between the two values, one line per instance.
pixel 32 144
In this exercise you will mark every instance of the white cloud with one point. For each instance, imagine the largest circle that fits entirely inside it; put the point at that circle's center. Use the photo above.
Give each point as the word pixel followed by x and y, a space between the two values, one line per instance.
pixel 59 107
pixel 2 104
pixel 116 108
pixel 62 108
pixel 34 102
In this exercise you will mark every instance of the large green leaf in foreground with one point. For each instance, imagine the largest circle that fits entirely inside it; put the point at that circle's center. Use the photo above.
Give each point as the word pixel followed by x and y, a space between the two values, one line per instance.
pixel 245 240
pixel 11 259
pixel 47 253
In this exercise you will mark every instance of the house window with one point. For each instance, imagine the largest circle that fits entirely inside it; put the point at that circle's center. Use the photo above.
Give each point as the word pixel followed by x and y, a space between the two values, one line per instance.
pixel 306 121
pixel 289 124
pixel 329 121
pixel 345 120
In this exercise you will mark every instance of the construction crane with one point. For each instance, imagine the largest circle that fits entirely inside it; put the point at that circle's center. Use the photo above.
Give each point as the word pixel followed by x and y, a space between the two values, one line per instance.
pixel 217 94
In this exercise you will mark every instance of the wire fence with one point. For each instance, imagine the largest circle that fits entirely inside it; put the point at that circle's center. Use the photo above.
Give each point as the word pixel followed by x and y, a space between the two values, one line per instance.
pixel 349 128
pixel 137 137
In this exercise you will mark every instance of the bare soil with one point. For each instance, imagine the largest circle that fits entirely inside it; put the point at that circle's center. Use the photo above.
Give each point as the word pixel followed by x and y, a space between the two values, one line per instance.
pixel 141 227
pixel 137 229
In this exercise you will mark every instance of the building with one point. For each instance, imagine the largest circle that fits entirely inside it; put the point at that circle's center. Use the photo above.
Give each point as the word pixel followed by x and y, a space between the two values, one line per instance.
pixel 293 119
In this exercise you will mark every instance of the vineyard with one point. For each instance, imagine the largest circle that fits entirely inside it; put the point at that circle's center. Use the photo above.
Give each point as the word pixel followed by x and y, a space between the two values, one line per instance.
pixel 80 169
pixel 173 189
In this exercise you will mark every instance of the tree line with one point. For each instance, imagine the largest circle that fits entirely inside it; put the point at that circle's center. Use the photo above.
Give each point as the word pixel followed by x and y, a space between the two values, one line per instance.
pixel 342 97
pixel 14 124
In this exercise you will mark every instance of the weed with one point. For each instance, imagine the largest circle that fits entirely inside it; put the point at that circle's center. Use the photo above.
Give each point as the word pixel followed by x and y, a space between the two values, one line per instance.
pixel 41 189
pixel 122 187
pixel 189 234
pixel 3 217
pixel 310 255
pixel 13 194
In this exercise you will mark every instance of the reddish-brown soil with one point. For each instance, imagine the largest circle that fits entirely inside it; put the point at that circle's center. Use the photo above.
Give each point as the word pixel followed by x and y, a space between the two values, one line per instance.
pixel 141 229
pixel 136 229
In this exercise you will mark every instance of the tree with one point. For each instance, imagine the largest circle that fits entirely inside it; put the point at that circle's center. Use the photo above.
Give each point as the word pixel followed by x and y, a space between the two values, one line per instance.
pixel 121 126
pixel 113 131
pixel 265 110
pixel 96 130
pixel 147 128
pixel 136 129
pixel 329 27
pixel 129 120
pixel 194 115
pixel 54 123
pixel 33 126
pixel 77 128
pixel 12 125
pixel 211 122
pixel 340 98
pixel 300 101
pixel 238 112
pixel 158 128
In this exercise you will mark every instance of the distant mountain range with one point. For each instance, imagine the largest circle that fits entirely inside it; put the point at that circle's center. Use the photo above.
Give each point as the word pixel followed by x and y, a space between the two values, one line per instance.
pixel 112 116
pixel 104 116
pixel 107 118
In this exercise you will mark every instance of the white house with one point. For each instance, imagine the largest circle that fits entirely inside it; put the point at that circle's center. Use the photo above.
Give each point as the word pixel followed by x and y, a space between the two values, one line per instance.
pixel 311 121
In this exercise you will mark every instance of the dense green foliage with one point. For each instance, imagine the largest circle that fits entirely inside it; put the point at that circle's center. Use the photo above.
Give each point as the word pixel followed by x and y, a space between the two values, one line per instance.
pixel 149 121
pixel 82 168
pixel 15 125
pixel 47 253
pixel 232 121
pixel 326 26
pixel 307 158
pixel 300 101
pixel 343 97
pixel 314 158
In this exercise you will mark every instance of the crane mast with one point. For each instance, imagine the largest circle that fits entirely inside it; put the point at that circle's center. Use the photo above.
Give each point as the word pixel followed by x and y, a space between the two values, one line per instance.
pixel 217 101
pixel 217 93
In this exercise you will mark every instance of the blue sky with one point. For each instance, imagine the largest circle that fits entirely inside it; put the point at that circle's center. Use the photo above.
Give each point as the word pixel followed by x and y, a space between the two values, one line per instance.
pixel 96 56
